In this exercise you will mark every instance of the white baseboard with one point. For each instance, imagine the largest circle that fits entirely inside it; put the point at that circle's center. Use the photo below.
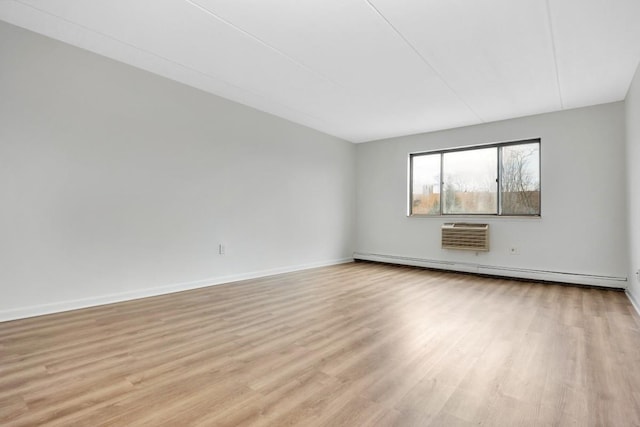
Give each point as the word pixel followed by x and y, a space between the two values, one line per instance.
pixel 634 303
pixel 551 276
pixel 57 307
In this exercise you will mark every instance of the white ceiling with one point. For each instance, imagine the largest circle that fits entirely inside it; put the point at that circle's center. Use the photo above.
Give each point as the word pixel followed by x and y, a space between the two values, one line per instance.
pixel 365 69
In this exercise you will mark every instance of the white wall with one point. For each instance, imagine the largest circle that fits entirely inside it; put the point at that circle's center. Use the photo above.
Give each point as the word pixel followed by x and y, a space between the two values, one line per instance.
pixel 581 234
pixel 632 104
pixel 116 183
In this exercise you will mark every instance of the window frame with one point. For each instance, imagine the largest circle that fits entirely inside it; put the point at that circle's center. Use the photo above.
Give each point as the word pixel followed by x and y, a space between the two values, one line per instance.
pixel 498 146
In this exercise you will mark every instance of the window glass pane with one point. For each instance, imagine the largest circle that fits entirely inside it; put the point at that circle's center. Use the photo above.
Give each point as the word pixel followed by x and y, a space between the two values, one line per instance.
pixel 470 181
pixel 520 179
pixel 425 199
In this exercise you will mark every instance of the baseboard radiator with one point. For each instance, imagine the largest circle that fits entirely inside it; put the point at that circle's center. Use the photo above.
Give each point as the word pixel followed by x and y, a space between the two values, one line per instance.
pixel 465 236
pixel 615 282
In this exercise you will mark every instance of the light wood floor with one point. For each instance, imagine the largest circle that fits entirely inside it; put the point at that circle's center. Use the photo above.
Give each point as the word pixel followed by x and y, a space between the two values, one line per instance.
pixel 356 344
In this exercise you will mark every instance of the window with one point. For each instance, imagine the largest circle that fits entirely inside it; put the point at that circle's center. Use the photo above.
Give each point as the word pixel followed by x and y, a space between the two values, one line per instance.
pixel 497 179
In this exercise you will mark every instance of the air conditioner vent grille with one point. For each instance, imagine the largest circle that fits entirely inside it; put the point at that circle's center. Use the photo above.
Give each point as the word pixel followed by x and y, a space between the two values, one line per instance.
pixel 465 236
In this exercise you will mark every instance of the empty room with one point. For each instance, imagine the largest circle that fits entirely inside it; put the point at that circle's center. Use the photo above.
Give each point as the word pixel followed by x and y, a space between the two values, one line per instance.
pixel 320 213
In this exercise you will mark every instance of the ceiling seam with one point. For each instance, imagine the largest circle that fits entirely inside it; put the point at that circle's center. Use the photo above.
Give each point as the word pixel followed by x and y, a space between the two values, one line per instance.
pixel 265 44
pixel 347 90
pixel 202 73
pixel 555 53
pixel 424 60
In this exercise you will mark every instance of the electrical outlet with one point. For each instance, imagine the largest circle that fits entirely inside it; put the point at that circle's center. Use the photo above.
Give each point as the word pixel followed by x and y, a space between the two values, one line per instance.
pixel 221 249
pixel 514 251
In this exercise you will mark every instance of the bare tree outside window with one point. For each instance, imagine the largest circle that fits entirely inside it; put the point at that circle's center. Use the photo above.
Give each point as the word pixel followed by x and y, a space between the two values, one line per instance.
pixel 520 184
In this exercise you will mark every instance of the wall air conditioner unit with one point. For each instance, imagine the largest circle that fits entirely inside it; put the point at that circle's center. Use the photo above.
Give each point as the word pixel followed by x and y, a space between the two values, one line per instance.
pixel 465 236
